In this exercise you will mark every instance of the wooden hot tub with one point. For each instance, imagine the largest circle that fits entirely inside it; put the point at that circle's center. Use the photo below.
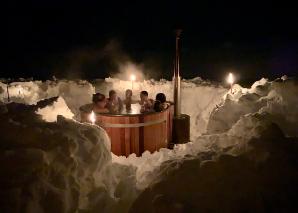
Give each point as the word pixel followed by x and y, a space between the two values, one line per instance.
pixel 137 132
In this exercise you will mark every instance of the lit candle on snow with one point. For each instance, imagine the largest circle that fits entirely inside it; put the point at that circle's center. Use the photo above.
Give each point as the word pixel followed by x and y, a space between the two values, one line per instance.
pixel 132 78
pixel 92 117
pixel 230 80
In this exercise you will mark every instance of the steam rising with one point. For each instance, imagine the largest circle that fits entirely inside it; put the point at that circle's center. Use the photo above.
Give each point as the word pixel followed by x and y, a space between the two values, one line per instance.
pixel 125 66
pixel 107 61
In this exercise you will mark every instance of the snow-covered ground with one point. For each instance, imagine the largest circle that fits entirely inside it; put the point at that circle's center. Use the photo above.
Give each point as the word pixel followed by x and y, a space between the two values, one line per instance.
pixel 242 155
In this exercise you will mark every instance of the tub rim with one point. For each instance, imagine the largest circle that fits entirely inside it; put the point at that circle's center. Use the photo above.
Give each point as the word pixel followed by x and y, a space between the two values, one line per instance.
pixel 108 114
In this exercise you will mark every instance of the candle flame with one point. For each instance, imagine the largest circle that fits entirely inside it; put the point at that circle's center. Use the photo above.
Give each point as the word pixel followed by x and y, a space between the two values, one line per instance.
pixel 230 78
pixel 132 77
pixel 92 117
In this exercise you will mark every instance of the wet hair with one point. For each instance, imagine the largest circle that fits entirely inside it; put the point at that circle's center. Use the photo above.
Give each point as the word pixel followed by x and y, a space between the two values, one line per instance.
pixel 112 92
pixel 161 97
pixel 128 91
pixel 144 93
pixel 98 97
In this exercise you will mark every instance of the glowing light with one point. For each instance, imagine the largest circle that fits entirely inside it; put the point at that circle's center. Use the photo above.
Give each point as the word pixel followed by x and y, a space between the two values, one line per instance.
pixel 132 77
pixel 230 78
pixel 92 117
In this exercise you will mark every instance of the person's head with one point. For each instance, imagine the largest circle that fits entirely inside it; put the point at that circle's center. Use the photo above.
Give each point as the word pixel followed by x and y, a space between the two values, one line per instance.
pixel 161 97
pixel 112 95
pixel 144 95
pixel 128 93
pixel 99 100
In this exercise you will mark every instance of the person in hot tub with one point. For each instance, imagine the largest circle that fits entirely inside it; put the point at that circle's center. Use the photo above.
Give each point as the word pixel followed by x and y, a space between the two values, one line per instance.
pixel 160 103
pixel 128 101
pixel 145 102
pixel 98 105
pixel 115 104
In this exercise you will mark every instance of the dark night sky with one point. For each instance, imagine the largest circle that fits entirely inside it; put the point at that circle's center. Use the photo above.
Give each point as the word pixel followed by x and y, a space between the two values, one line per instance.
pixel 45 38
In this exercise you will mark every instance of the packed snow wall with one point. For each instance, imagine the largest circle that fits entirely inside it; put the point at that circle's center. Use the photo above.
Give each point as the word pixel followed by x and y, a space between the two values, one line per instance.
pixel 75 93
pixel 278 99
pixel 48 166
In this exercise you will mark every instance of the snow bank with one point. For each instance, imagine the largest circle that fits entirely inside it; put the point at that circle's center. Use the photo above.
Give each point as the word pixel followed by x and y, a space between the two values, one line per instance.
pixel 48 166
pixel 278 98
pixel 260 180
pixel 75 93
pixel 244 163
pixel 50 112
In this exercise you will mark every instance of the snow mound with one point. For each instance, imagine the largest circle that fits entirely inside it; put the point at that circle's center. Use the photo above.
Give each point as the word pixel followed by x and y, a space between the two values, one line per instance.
pixel 251 167
pixel 47 166
pixel 50 112
pixel 75 93
pixel 260 180
pixel 278 98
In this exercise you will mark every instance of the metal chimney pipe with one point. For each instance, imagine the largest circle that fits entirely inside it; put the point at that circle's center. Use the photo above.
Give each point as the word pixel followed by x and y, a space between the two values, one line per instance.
pixel 177 80
pixel 181 122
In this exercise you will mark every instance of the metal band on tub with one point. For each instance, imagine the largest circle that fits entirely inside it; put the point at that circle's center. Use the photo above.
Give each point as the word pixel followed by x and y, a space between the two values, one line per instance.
pixel 150 123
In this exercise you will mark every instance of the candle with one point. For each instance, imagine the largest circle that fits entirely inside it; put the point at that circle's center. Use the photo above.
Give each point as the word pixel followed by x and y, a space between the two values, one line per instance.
pixel 92 117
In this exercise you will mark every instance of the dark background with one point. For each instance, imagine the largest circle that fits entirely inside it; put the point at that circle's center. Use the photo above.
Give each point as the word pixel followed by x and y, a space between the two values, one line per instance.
pixel 88 39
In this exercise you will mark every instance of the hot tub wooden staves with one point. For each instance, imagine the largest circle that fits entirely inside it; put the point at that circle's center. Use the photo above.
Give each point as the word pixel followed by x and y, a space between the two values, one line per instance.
pixel 136 133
